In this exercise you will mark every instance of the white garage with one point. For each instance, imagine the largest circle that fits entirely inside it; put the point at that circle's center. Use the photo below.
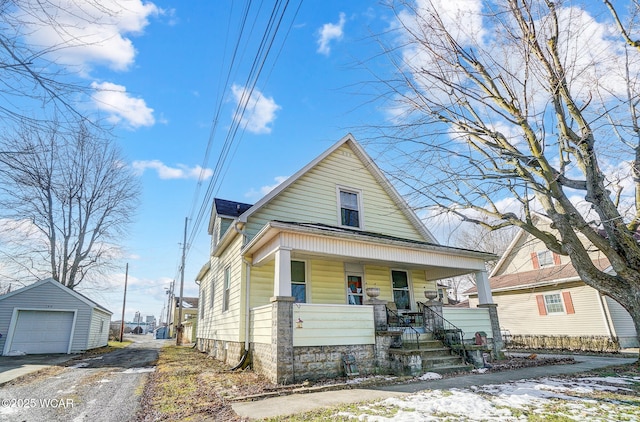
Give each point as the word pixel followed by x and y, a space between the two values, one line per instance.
pixel 47 317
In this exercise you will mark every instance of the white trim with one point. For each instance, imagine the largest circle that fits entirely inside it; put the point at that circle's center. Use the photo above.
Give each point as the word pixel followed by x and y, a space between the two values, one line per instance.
pixel 307 279
pixel 14 321
pixel 409 285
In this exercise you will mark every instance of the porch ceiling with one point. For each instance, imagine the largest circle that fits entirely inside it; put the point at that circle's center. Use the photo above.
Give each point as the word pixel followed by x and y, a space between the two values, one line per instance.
pixel 334 243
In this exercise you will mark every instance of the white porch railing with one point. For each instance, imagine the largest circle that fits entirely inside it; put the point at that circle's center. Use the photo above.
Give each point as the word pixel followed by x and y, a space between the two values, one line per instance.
pixel 469 320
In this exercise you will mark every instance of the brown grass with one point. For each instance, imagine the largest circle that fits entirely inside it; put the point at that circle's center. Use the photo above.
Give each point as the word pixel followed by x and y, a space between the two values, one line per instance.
pixel 190 386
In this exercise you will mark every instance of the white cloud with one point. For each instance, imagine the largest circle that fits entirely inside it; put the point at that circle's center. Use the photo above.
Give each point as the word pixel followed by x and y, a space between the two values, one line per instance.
pixel 259 193
pixel 259 111
pixel 328 33
pixel 86 32
pixel 179 172
pixel 121 106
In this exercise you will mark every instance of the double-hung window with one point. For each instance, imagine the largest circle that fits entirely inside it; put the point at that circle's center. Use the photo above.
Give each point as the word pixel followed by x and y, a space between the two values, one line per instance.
pixel 350 212
pixel 400 285
pixel 553 303
pixel 226 289
pixel 299 281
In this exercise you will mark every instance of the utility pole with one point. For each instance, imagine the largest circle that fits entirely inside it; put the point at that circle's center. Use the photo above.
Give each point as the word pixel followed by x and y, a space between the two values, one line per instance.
pixel 184 248
pixel 124 300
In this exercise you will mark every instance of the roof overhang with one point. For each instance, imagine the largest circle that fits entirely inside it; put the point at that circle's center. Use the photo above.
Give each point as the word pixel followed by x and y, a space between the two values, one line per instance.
pixel 334 243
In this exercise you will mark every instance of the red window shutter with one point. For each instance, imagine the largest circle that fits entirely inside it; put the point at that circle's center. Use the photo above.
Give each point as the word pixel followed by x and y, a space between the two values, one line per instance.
pixel 556 259
pixel 534 259
pixel 542 310
pixel 568 303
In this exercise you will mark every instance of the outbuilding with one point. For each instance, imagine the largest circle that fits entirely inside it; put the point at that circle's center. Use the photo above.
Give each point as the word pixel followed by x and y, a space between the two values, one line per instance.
pixel 47 317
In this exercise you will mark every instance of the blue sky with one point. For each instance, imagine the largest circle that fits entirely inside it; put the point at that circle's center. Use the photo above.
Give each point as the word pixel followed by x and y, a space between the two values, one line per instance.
pixel 163 75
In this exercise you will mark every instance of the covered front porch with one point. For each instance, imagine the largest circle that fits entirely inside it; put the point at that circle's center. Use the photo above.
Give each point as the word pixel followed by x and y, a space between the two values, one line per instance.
pixel 308 304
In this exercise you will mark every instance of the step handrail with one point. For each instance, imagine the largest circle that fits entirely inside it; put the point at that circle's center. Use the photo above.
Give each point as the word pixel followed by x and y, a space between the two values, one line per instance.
pixel 441 328
pixel 401 322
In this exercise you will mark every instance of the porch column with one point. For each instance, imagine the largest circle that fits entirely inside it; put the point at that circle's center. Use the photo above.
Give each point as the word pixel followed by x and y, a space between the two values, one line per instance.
pixel 484 289
pixel 282 276
pixel 281 364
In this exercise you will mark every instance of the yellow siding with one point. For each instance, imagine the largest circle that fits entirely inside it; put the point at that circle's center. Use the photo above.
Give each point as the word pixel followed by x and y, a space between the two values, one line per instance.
pixel 313 198
pixel 518 313
pixel 218 324
pixel 331 325
pixel 261 325
pixel 261 284
pixel 327 282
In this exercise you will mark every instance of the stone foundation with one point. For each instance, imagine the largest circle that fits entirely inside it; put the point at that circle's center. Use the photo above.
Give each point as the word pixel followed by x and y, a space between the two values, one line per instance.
pixel 228 352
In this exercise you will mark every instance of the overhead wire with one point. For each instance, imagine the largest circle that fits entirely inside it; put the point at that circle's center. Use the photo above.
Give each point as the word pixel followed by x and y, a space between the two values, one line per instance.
pixel 236 129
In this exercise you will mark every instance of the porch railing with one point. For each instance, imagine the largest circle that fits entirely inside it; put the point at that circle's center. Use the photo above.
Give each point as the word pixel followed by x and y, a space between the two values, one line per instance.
pixel 403 323
pixel 443 330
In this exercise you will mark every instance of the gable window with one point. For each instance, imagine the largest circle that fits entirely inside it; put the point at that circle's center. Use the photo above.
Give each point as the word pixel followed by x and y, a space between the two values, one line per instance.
pixel 227 289
pixel 400 285
pixel 299 281
pixel 544 258
pixel 350 213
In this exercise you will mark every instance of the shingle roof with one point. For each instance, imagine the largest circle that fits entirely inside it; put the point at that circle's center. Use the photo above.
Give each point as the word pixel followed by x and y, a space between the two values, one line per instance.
pixel 230 208
pixel 541 276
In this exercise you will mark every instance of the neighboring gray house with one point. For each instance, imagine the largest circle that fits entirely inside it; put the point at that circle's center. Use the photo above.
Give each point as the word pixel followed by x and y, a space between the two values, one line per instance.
pixel 47 317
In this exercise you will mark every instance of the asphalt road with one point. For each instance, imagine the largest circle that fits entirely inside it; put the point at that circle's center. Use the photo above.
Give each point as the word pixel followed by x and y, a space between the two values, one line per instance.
pixel 104 388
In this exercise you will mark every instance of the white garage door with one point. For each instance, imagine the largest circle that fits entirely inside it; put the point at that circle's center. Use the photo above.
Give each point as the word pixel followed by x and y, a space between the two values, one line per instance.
pixel 42 332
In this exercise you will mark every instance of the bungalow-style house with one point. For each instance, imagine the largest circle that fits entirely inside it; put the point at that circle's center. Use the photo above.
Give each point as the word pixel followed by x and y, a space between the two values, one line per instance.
pixel 303 281
pixel 542 302
pixel 47 317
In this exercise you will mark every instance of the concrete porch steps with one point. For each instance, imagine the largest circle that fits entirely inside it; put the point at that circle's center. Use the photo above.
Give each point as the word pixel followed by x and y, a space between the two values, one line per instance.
pixel 428 355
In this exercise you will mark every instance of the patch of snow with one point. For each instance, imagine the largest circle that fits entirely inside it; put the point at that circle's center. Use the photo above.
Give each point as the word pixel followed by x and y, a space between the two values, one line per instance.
pixel 429 376
pixel 480 370
pixel 81 364
pixel 16 353
pixel 139 370
pixel 496 402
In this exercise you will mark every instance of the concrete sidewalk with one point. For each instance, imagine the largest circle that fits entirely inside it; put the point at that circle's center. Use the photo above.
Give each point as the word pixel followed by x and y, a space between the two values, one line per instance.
pixel 300 403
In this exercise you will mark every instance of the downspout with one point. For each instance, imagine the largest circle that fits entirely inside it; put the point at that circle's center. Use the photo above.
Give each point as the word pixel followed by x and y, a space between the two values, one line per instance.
pixel 243 359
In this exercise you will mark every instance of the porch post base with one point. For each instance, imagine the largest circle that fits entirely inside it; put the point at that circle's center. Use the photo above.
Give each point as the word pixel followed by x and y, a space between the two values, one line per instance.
pixel 282 339
pixel 498 344
pixel 379 313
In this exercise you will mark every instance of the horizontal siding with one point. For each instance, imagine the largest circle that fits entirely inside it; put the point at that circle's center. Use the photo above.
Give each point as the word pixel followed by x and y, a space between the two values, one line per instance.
pixel 622 322
pixel 99 333
pixel 261 325
pixel 332 325
pixel 312 198
pixel 327 282
pixel 469 321
pixel 217 324
pixel 262 284
pixel 46 297
pixel 518 313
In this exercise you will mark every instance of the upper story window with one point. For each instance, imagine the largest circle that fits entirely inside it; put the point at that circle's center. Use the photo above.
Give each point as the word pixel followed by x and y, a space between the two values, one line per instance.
pixel 350 209
pixel 544 258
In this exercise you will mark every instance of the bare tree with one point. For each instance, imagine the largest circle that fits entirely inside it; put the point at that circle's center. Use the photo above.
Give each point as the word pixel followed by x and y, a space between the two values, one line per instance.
pixel 65 199
pixel 526 101
pixel 34 84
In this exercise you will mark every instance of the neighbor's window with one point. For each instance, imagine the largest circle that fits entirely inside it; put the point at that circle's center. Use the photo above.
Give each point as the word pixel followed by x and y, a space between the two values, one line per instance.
pixel 553 303
pixel 349 208
pixel 299 281
pixel 227 283
pixel 545 258
pixel 400 284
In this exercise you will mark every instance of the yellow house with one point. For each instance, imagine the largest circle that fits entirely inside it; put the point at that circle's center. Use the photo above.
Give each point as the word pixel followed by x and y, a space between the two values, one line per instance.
pixel 287 280
pixel 542 301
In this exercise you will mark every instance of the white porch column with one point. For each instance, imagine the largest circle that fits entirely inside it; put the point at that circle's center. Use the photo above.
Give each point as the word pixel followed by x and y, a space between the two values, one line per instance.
pixel 282 276
pixel 484 289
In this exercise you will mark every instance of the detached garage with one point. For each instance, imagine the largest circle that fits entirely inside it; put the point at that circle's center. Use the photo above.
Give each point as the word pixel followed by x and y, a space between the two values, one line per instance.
pixel 47 317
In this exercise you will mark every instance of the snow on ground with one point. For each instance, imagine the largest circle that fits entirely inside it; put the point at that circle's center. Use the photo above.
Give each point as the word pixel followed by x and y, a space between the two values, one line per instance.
pixel 580 399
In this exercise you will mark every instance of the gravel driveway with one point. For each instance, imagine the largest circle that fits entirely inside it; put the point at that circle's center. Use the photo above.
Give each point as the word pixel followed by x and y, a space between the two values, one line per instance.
pixel 103 388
